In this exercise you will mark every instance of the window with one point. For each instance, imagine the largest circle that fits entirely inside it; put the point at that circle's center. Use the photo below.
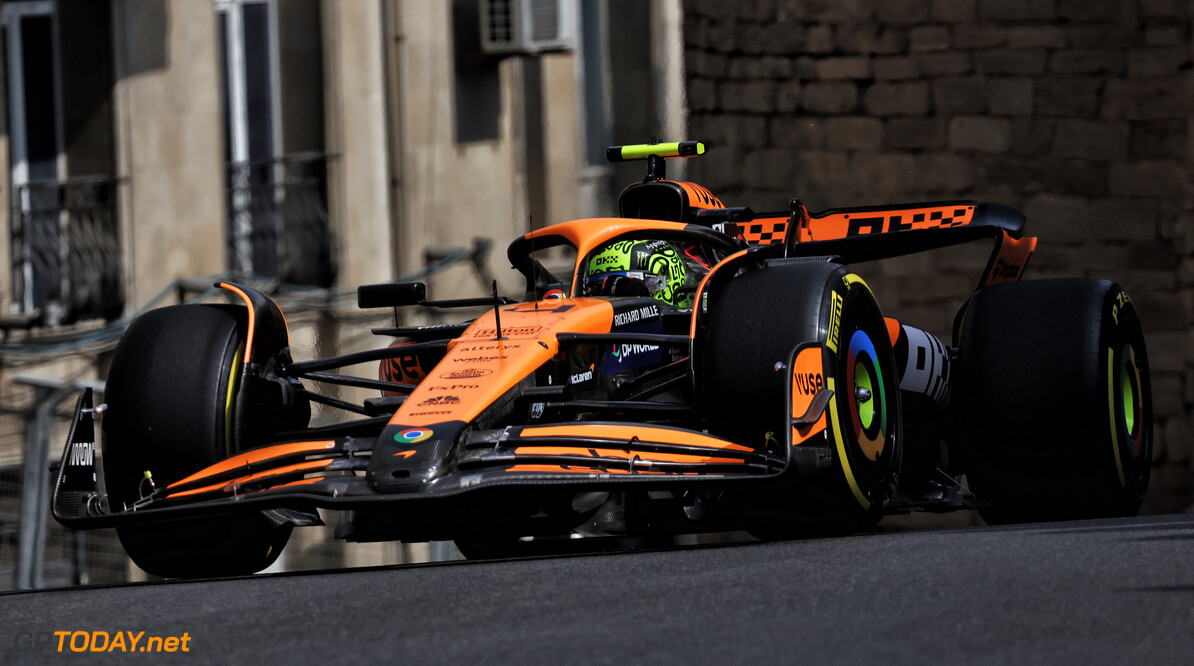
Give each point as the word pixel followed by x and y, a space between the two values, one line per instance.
pixel 277 204
pixel 65 254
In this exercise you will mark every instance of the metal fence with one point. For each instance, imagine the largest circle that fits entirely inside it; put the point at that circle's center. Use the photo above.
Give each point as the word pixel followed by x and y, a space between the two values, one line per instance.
pixel 278 220
pixel 66 250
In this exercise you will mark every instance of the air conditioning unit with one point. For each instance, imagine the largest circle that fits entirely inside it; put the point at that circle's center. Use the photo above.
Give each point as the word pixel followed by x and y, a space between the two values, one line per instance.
pixel 527 26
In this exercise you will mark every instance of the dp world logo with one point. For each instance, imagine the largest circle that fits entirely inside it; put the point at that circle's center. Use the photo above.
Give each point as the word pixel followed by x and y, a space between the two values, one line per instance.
pixel 623 353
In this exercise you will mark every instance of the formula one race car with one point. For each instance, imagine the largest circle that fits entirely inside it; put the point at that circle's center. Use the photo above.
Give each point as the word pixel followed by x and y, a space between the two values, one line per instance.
pixel 685 367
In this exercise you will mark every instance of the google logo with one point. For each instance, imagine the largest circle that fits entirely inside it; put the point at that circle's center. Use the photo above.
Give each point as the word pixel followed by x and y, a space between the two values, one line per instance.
pixel 414 435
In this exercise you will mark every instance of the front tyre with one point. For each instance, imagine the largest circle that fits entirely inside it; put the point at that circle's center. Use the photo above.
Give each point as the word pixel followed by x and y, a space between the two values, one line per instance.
pixel 1053 401
pixel 756 320
pixel 171 395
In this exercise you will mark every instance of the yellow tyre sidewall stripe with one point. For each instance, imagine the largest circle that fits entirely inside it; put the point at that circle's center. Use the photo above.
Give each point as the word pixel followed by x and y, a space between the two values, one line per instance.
pixel 840 443
pixel 230 399
pixel 1111 412
pixel 839 439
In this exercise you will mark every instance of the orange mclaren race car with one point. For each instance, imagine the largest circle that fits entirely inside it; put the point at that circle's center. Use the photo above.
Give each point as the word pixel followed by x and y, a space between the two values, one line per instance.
pixel 685 367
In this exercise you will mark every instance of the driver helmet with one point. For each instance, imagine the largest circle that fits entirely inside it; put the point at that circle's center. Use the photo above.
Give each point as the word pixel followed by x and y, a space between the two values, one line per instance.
pixel 655 268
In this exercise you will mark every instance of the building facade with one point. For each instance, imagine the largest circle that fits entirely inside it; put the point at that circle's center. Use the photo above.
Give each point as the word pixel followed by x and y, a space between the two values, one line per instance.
pixel 313 144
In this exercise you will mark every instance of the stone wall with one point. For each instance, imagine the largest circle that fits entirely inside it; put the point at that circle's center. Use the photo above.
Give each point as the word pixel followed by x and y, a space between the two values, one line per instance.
pixel 1077 112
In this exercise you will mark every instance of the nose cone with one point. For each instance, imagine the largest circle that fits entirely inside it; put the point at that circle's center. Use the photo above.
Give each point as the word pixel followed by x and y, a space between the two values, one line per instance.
pixel 480 375
pixel 409 458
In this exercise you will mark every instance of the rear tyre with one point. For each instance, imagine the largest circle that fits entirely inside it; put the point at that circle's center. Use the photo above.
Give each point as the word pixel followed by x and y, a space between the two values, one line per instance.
pixel 171 393
pixel 756 321
pixel 1053 401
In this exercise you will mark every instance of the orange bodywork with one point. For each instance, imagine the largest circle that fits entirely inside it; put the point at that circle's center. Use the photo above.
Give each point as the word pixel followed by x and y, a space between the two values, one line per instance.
pixel 407 369
pixel 249 459
pixel 528 341
pixel 1009 260
pixel 300 482
pixel 807 379
pixel 569 469
pixel 893 329
pixel 589 234
pixel 629 433
pixel 252 317
pixel 837 225
pixel 309 466
pixel 699 196
pixel 765 230
pixel 620 454
pixel 833 225
pixel 252 312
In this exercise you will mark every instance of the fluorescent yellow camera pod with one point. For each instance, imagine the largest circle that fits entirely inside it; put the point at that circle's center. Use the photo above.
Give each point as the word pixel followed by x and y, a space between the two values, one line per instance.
pixel 642 151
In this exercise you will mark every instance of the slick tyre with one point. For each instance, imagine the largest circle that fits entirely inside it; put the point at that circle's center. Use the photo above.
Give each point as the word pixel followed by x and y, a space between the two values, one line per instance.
pixel 171 392
pixel 756 320
pixel 1053 401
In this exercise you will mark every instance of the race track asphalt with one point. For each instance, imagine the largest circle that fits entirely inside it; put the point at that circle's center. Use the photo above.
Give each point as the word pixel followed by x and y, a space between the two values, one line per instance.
pixel 1091 592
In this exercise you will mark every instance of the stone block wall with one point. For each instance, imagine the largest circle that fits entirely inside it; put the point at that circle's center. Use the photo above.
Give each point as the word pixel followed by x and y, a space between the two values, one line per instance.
pixel 1077 112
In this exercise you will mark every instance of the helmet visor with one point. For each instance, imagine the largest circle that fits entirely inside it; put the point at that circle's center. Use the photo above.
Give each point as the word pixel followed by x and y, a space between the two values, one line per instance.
pixel 655 283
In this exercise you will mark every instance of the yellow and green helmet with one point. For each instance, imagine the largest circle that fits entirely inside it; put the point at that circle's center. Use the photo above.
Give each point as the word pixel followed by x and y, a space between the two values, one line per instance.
pixel 661 266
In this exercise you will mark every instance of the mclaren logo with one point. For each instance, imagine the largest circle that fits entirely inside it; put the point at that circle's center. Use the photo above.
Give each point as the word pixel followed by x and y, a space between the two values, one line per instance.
pixel 580 377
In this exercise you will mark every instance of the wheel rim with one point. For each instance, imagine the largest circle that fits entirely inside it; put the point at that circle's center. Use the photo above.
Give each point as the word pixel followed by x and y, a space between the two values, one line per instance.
pixel 863 392
pixel 868 412
pixel 1130 398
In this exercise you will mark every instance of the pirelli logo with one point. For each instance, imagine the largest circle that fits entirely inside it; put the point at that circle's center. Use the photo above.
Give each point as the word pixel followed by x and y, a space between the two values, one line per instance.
pixel 835 321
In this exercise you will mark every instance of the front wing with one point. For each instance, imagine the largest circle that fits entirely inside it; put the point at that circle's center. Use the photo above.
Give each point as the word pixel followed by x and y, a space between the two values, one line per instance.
pixel 566 457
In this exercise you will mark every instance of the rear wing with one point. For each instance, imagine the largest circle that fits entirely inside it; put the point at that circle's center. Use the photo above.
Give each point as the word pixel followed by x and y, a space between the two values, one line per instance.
pixel 869 233
pixel 865 221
